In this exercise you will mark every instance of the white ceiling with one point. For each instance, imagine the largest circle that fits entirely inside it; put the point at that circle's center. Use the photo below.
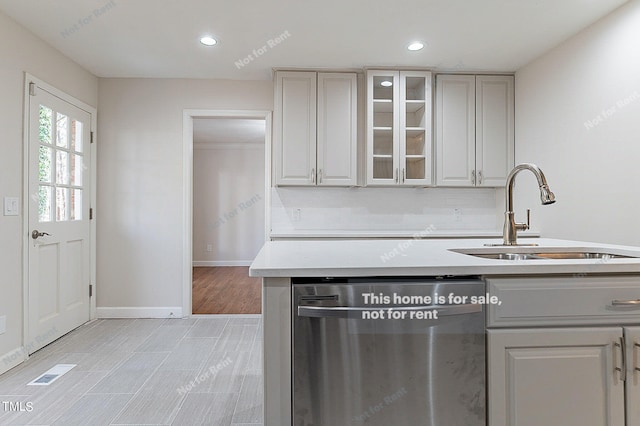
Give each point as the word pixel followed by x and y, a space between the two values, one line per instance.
pixel 228 131
pixel 151 38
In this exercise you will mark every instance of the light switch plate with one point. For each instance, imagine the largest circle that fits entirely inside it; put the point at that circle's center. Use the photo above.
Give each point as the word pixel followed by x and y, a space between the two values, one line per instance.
pixel 11 206
pixel 3 324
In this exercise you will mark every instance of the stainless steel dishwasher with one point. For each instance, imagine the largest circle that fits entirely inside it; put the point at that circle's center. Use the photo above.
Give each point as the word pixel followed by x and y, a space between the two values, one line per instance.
pixel 429 370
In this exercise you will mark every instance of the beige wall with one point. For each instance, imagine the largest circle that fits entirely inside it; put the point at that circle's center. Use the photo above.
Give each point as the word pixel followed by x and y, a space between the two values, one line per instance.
pixel 140 196
pixel 578 118
pixel 20 52
pixel 228 204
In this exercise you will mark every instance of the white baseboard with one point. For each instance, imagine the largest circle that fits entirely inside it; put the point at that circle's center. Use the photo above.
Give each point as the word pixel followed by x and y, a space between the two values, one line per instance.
pixel 139 312
pixel 197 263
pixel 234 316
pixel 13 359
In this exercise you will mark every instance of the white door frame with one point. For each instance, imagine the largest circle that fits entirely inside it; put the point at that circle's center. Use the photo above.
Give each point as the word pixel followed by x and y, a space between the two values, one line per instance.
pixel 187 189
pixel 25 196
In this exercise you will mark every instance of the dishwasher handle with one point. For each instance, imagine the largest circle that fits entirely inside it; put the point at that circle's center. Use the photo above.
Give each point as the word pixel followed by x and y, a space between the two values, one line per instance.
pixel 628 303
pixel 356 312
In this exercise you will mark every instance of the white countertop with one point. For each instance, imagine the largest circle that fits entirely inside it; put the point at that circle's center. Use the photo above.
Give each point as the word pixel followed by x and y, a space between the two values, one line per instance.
pixel 428 257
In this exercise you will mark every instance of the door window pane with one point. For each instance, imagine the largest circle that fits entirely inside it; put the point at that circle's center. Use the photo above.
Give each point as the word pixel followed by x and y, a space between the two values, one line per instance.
pixel 62 204
pixel 44 164
pixel 76 204
pixel 62 168
pixel 76 135
pixel 45 124
pixel 62 128
pixel 76 170
pixel 44 204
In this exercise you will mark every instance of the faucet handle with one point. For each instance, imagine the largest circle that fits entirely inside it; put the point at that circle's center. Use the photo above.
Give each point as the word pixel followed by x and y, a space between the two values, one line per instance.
pixel 523 226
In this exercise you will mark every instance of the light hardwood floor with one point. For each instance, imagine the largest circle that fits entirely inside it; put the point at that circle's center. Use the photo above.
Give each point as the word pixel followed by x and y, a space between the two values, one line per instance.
pixel 198 371
pixel 225 290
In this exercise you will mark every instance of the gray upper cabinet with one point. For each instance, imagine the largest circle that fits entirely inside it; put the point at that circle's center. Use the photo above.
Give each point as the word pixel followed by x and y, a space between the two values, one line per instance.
pixel 315 129
pixel 337 129
pixel 474 130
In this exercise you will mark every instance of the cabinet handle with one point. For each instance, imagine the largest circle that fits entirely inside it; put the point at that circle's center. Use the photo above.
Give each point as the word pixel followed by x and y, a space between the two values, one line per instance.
pixel 404 175
pixel 623 344
pixel 473 177
pixel 313 175
pixel 636 345
pixel 397 175
pixel 623 368
pixel 480 177
pixel 319 176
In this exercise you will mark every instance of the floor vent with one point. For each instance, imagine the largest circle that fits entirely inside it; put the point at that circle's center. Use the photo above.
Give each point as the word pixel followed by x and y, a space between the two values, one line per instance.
pixel 51 375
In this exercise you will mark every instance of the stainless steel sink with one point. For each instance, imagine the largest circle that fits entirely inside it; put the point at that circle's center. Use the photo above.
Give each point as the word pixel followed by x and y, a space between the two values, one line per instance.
pixel 507 256
pixel 581 255
pixel 544 255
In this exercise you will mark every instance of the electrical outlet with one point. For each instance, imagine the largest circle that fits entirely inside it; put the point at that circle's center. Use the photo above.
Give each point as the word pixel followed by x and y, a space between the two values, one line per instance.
pixel 297 215
pixel 3 324
pixel 209 247
pixel 457 215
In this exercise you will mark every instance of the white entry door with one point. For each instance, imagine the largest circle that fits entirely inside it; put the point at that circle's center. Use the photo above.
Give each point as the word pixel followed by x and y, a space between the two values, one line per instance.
pixel 59 229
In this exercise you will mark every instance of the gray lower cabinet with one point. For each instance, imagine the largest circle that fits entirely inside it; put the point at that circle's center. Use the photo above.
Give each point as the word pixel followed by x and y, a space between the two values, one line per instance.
pixel 556 377
pixel 564 351
pixel 632 339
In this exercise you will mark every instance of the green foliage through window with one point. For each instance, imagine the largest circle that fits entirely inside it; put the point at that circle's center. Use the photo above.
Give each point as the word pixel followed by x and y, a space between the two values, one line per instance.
pixel 44 162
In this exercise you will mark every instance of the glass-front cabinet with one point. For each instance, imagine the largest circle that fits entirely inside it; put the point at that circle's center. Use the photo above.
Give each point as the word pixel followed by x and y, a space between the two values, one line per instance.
pixel 382 126
pixel 399 149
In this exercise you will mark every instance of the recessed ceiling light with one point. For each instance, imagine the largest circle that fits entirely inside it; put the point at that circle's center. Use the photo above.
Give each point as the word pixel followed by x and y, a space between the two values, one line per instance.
pixel 416 45
pixel 386 83
pixel 208 41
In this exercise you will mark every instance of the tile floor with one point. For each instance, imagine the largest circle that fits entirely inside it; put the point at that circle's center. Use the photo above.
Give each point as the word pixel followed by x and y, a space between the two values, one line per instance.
pixel 197 371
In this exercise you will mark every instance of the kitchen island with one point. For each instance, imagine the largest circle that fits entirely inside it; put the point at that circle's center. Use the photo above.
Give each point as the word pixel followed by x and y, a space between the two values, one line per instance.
pixel 280 261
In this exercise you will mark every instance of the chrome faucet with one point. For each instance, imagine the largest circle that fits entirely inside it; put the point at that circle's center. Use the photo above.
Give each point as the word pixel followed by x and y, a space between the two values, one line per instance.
pixel 511 227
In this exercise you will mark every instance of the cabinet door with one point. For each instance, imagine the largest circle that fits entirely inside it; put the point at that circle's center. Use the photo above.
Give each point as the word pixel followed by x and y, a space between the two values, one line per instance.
pixel 382 128
pixel 632 339
pixel 455 130
pixel 555 377
pixel 494 129
pixel 415 128
pixel 295 128
pixel 337 129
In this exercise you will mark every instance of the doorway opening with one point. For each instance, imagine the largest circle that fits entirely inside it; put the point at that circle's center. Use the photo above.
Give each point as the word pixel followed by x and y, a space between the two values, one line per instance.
pixel 229 180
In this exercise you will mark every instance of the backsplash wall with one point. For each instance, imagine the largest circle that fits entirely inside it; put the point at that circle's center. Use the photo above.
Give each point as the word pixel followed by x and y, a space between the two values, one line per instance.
pixel 385 209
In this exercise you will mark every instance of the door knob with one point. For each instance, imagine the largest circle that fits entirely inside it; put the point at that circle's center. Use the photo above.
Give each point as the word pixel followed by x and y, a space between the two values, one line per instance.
pixel 36 234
